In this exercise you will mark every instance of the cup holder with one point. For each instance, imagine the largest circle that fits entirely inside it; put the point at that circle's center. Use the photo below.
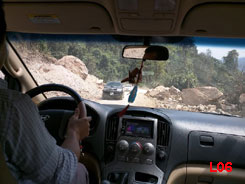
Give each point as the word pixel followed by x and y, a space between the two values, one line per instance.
pixel 146 178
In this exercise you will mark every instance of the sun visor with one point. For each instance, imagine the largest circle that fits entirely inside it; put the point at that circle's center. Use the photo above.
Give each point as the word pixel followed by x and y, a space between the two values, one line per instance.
pixel 215 19
pixel 58 18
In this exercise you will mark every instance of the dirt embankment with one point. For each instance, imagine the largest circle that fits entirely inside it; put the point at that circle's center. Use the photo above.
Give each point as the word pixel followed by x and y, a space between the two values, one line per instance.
pixel 68 70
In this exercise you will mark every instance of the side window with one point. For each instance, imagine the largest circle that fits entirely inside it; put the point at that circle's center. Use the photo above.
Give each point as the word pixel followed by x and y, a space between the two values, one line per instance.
pixel 1 75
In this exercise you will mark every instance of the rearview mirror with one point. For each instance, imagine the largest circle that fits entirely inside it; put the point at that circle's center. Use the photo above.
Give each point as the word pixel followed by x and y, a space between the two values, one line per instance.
pixel 146 52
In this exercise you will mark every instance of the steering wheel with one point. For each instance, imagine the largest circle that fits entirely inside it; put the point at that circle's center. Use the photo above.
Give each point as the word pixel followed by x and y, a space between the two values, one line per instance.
pixel 56 119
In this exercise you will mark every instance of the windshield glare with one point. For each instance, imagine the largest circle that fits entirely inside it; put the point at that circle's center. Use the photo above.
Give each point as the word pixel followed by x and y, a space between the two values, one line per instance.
pixel 201 74
pixel 113 84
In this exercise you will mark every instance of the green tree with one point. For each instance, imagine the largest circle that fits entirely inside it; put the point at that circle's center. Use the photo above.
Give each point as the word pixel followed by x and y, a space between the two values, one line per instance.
pixel 231 60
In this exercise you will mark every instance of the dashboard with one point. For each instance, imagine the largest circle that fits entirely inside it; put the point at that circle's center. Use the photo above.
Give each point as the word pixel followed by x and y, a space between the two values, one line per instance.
pixel 147 145
pixel 134 149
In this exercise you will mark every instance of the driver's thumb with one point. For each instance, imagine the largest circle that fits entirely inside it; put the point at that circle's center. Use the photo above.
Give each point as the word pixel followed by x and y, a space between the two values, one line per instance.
pixel 76 113
pixel 82 110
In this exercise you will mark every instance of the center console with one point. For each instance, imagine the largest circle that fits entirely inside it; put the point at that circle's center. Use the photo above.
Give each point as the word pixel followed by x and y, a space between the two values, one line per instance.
pixel 135 152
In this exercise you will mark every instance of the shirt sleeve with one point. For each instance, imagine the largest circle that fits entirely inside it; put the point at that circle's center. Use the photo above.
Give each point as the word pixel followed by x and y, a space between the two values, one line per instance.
pixel 32 150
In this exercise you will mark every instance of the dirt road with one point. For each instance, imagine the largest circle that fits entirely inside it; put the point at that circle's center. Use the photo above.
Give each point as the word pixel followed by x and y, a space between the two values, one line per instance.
pixel 141 100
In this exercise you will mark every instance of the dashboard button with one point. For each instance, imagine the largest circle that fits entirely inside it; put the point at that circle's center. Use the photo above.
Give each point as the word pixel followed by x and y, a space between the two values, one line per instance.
pixel 135 147
pixel 148 161
pixel 121 158
pixel 148 148
pixel 122 145
pixel 161 154
pixel 136 160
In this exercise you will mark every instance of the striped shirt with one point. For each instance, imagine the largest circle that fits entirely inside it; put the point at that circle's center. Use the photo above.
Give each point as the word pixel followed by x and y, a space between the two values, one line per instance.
pixel 30 151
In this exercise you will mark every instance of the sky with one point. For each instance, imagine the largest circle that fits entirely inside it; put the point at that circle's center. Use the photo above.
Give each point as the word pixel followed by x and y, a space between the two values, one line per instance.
pixel 220 52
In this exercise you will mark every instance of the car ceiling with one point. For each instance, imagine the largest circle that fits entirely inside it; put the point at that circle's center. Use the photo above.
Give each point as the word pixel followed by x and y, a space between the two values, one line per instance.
pixel 220 18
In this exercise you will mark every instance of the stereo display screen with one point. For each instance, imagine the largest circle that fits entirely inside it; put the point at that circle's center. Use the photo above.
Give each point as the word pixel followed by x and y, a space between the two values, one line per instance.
pixel 139 128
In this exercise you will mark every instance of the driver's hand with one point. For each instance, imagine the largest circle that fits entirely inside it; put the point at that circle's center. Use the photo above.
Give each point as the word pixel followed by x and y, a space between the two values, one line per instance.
pixel 79 125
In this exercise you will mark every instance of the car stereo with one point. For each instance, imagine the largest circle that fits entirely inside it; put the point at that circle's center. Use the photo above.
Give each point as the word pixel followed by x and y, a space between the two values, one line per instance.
pixel 136 140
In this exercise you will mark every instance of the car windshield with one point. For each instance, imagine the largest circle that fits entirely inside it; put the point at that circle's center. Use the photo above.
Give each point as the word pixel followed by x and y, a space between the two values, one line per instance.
pixel 113 84
pixel 201 74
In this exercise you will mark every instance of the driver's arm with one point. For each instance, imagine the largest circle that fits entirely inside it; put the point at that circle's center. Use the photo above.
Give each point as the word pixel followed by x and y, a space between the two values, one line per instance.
pixel 31 152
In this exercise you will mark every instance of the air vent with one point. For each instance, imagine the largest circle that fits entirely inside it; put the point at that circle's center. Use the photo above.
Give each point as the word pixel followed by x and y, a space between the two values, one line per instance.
pixel 111 138
pixel 162 133
pixel 112 129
